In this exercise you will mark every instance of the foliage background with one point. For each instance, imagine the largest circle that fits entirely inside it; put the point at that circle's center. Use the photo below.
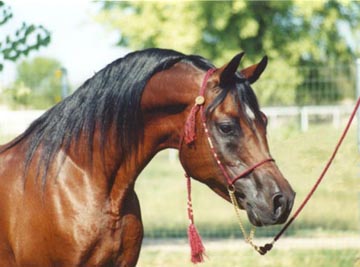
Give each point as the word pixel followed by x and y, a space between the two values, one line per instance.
pixel 37 84
pixel 27 38
pixel 292 34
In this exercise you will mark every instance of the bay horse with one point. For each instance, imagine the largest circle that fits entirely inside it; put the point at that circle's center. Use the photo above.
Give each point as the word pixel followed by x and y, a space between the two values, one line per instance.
pixel 67 182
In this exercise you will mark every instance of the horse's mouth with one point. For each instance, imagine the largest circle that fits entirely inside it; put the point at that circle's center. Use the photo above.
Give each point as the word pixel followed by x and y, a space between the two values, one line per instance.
pixel 257 219
pixel 254 218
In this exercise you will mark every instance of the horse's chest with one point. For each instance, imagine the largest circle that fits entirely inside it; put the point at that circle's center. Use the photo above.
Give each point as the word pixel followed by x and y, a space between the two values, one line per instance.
pixel 74 241
pixel 98 241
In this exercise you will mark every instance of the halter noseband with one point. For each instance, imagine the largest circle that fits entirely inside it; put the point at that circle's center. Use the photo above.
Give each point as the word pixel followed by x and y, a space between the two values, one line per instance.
pixel 190 135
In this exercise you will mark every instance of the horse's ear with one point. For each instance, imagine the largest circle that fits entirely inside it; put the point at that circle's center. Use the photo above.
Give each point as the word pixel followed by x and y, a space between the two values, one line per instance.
pixel 227 72
pixel 253 72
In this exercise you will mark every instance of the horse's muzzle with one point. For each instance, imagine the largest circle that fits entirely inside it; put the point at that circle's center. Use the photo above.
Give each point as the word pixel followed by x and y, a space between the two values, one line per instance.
pixel 268 204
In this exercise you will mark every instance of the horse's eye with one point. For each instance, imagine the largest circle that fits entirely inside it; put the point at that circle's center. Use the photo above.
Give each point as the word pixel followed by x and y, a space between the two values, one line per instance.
pixel 226 128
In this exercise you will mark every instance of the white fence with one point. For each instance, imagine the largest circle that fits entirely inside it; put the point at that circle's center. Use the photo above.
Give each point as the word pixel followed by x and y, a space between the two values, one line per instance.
pixel 303 115
pixel 14 122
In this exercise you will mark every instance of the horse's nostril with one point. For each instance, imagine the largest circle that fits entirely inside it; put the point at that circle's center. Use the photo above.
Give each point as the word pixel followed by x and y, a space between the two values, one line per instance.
pixel 279 203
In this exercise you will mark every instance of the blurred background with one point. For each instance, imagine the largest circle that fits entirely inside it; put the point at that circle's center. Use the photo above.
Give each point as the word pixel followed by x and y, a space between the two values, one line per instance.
pixel 308 90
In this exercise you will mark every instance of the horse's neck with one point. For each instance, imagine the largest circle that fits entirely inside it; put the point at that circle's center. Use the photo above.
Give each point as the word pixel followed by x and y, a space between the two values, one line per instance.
pixel 166 101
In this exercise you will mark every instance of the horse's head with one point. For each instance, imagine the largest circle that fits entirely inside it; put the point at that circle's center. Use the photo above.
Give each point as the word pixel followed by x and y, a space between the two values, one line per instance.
pixel 237 130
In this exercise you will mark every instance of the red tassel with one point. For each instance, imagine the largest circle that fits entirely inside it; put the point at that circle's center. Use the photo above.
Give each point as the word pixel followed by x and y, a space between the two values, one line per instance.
pixel 190 131
pixel 196 245
pixel 195 242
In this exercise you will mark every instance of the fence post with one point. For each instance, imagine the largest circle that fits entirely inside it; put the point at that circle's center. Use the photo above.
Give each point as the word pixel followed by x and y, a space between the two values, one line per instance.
pixel 304 119
pixel 336 117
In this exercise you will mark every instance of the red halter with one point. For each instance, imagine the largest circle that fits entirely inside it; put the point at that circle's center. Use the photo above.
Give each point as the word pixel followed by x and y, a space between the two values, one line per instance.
pixel 197 248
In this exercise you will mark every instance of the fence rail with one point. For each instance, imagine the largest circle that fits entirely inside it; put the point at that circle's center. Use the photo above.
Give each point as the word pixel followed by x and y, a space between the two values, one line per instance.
pixel 13 122
pixel 303 115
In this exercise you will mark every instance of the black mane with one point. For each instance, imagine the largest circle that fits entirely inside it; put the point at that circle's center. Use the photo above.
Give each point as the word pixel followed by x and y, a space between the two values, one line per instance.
pixel 111 96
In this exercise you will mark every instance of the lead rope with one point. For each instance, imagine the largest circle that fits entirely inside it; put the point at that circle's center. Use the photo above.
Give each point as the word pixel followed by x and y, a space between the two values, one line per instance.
pixel 190 137
pixel 267 247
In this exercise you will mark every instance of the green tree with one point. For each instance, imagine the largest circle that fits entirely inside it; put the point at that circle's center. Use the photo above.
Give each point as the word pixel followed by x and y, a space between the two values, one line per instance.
pixel 27 38
pixel 291 33
pixel 37 84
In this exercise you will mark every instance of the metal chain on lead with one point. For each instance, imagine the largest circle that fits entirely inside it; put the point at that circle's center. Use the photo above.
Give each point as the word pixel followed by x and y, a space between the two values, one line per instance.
pixel 248 238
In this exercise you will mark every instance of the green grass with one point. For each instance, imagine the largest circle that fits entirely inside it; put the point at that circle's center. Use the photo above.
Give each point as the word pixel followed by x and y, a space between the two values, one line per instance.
pixel 248 258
